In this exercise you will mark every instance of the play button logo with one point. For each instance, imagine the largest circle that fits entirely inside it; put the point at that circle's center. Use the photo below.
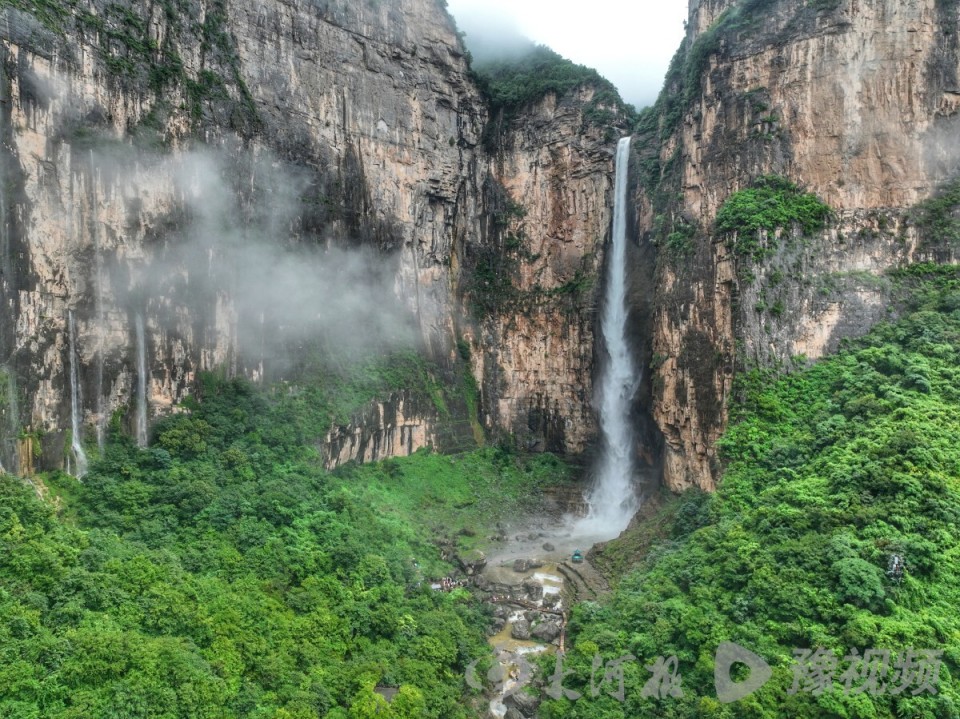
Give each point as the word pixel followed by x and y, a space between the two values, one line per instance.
pixel 728 690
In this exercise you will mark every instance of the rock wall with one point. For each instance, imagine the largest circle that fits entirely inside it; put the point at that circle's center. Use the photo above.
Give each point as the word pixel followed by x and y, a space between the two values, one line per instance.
pixel 397 427
pixel 856 100
pixel 146 147
pixel 534 343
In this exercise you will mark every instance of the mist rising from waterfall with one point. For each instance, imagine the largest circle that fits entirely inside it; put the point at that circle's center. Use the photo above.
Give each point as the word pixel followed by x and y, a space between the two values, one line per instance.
pixel 80 457
pixel 613 500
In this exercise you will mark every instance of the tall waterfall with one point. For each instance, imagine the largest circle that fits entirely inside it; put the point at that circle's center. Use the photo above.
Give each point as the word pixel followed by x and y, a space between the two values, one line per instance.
pixel 613 500
pixel 80 457
pixel 98 297
pixel 141 384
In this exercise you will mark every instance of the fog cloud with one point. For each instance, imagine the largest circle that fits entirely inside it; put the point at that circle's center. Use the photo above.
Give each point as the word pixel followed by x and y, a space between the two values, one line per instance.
pixel 630 43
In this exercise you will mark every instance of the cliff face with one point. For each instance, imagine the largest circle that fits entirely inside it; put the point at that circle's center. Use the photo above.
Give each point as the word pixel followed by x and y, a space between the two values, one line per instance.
pixel 158 160
pixel 533 343
pixel 854 100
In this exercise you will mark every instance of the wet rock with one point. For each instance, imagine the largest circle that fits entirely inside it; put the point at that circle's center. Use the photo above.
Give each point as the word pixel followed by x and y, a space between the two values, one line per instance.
pixel 481 583
pixel 496 626
pixel 525 565
pixel 551 600
pixel 525 704
pixel 546 631
pixel 533 589
pixel 498 672
pixel 547 547
pixel 472 562
pixel 520 629
pixel 501 612
pixel 512 713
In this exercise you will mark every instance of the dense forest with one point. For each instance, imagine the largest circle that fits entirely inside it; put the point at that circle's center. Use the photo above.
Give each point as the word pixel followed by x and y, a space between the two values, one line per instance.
pixel 223 573
pixel 832 473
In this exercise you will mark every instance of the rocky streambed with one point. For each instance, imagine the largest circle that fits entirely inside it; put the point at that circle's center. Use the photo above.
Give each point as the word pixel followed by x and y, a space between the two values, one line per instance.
pixel 528 574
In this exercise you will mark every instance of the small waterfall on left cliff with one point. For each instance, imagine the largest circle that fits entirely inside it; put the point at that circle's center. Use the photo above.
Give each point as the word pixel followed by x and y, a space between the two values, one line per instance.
pixel 98 301
pixel 13 420
pixel 9 449
pixel 141 383
pixel 613 500
pixel 79 456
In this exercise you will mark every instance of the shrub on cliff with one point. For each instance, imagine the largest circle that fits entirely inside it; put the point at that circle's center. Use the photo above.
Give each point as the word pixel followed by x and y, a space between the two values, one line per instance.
pixel 771 204
pixel 509 85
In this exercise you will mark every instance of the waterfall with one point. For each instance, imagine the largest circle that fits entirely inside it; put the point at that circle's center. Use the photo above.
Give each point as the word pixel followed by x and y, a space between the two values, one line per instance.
pixel 98 299
pixel 7 287
pixel 13 419
pixel 141 384
pixel 612 499
pixel 4 233
pixel 79 455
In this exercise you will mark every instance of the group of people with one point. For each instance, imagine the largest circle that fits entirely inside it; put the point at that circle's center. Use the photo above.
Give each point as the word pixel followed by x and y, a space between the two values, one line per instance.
pixel 448 584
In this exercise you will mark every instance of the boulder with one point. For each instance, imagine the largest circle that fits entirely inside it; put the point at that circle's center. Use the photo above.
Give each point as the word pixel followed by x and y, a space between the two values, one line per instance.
pixel 525 565
pixel 525 704
pixel 497 626
pixel 481 583
pixel 472 562
pixel 547 547
pixel 520 630
pixel 533 589
pixel 546 631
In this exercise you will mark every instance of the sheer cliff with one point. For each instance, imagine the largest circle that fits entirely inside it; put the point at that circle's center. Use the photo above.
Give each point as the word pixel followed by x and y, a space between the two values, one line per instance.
pixel 853 100
pixel 197 164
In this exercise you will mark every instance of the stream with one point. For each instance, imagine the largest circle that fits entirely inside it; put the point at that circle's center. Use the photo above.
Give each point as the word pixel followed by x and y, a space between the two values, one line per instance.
pixel 530 577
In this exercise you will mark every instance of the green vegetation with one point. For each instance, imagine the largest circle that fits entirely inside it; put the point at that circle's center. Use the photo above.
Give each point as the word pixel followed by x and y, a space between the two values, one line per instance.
pixel 831 472
pixel 223 573
pixel 510 85
pixel 494 268
pixel 51 13
pixel 771 204
pixel 656 125
pixel 333 388
pixel 939 217
pixel 132 57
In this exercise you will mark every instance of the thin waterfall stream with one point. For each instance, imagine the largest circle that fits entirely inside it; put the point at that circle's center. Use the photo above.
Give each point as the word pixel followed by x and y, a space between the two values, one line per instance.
pixel 98 298
pixel 141 383
pixel 79 456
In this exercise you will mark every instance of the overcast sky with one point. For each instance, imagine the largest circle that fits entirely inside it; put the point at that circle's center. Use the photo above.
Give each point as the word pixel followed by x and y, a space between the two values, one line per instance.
pixel 629 41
